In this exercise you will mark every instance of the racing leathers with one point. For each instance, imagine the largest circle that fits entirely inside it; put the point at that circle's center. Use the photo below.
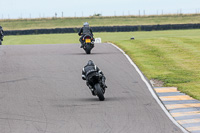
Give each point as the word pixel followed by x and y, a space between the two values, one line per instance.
pixel 85 30
pixel 89 71
pixel 1 33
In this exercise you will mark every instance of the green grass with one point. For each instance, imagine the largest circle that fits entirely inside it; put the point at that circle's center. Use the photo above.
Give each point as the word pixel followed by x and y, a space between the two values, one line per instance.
pixel 171 56
pixel 41 39
pixel 20 24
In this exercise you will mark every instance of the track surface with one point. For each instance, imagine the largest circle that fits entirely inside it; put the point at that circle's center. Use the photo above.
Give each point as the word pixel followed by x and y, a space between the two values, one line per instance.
pixel 41 91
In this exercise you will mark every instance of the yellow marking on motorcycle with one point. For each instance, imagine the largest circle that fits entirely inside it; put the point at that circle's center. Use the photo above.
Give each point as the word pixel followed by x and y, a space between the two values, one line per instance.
pixel 175 106
pixel 168 89
pixel 185 113
pixel 188 121
pixel 193 128
pixel 88 40
pixel 171 98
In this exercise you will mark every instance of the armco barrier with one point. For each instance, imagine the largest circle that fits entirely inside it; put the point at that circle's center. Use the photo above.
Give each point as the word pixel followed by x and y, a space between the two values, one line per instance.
pixel 106 29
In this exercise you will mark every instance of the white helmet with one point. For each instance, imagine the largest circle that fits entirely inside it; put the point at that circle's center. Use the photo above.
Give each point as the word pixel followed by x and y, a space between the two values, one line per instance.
pixel 86 24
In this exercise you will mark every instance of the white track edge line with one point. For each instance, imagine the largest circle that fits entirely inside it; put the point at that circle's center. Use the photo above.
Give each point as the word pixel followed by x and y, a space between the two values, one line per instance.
pixel 151 90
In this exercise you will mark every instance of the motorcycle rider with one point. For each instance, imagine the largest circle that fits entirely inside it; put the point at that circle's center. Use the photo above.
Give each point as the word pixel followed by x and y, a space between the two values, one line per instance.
pixel 85 30
pixel 1 33
pixel 89 71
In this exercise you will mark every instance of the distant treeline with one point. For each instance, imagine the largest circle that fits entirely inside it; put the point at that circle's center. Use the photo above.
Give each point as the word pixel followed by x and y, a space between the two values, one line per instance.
pixel 106 29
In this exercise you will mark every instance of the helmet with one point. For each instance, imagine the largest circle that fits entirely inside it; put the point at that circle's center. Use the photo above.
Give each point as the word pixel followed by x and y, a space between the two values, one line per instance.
pixel 86 24
pixel 90 63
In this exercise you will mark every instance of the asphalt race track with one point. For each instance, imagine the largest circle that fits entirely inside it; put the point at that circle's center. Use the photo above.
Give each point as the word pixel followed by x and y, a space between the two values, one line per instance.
pixel 41 91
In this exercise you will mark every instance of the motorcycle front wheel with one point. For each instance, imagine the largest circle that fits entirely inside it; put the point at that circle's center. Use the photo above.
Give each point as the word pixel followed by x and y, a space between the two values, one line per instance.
pixel 99 92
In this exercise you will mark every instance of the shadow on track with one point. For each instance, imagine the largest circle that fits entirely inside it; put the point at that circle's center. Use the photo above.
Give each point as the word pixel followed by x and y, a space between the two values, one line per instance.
pixel 92 53
pixel 94 99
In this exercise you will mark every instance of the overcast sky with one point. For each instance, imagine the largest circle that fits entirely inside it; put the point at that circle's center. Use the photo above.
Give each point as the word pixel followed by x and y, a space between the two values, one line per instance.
pixel 78 8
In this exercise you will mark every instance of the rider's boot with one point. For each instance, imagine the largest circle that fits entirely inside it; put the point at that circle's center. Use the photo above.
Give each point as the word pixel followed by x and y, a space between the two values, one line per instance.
pixel 103 82
pixel 91 88
pixel 81 42
pixel 81 45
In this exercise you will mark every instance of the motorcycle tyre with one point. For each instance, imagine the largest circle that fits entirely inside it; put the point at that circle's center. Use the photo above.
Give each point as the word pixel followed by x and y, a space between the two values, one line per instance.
pixel 88 49
pixel 99 92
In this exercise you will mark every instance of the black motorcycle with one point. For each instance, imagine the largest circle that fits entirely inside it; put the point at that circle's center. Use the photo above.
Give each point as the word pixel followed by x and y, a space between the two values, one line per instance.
pixel 88 43
pixel 1 39
pixel 1 35
pixel 96 83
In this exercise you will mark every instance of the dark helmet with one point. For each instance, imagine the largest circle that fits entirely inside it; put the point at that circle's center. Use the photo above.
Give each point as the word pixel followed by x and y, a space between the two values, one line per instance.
pixel 90 63
pixel 86 24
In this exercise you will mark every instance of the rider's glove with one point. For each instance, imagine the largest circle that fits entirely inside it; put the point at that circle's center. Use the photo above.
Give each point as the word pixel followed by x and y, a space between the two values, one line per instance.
pixel 83 77
pixel 100 73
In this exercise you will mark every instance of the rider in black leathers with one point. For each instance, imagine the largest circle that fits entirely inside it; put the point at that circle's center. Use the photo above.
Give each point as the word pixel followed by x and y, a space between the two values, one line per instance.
pixel 1 33
pixel 85 30
pixel 90 70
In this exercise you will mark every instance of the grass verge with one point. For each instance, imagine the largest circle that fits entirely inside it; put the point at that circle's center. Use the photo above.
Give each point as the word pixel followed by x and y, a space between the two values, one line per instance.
pixel 21 24
pixel 170 56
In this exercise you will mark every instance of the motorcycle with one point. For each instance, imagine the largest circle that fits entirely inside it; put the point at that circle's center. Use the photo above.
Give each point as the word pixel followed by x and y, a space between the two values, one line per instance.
pixel 1 41
pixel 1 35
pixel 88 43
pixel 97 88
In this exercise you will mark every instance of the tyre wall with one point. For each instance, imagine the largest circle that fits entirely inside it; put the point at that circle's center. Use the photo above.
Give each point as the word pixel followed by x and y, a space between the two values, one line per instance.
pixel 105 29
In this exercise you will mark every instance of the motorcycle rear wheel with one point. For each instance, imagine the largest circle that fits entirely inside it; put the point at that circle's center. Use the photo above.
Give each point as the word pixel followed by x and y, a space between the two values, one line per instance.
pixel 99 92
pixel 88 49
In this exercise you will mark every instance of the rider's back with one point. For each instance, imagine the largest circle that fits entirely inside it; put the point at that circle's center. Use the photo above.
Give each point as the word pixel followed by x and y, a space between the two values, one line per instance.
pixel 86 30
